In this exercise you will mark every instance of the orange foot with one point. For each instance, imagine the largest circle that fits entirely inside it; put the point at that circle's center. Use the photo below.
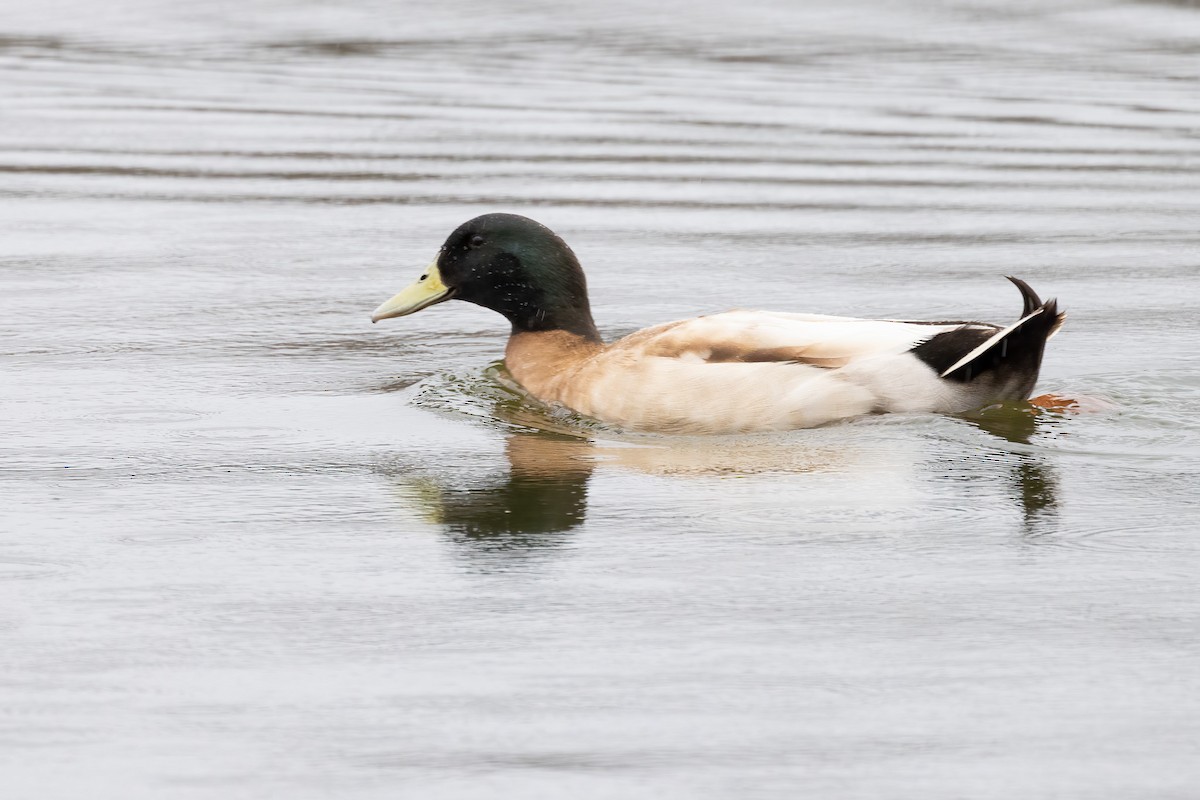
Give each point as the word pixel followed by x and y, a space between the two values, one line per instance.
pixel 1053 402
pixel 1077 405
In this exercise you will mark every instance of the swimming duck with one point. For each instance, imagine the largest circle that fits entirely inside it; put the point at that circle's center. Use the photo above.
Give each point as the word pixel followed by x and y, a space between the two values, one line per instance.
pixel 732 372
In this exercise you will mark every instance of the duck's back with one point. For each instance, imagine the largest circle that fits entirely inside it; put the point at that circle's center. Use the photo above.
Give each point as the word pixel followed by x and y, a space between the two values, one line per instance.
pixel 776 336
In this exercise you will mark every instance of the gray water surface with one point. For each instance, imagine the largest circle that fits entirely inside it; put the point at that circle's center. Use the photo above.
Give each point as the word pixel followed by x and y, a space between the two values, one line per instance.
pixel 253 547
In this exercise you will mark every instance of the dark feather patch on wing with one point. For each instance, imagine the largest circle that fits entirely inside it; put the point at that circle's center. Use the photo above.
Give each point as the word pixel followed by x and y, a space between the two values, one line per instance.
pixel 944 322
pixel 788 355
pixel 943 350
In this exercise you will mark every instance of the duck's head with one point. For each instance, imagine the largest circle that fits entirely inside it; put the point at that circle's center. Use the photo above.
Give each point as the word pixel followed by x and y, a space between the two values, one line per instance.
pixel 509 264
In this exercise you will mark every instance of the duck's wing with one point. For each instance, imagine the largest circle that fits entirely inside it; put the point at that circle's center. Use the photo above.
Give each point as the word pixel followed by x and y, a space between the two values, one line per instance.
pixel 758 336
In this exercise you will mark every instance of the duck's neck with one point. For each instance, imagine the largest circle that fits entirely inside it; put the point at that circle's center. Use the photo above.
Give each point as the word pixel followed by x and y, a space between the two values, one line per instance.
pixel 574 317
pixel 544 361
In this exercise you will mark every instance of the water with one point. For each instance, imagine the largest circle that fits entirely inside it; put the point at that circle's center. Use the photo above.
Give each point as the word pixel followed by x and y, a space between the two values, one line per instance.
pixel 254 547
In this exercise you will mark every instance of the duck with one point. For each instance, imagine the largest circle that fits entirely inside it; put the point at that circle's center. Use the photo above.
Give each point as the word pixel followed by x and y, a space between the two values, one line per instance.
pixel 734 372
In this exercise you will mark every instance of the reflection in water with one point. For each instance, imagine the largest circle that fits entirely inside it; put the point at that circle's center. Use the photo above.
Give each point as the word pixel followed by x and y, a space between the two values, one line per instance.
pixel 1039 493
pixel 543 493
pixel 1036 482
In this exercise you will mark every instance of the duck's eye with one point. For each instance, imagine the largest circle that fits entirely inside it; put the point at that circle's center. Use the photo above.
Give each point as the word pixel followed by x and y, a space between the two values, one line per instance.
pixel 476 241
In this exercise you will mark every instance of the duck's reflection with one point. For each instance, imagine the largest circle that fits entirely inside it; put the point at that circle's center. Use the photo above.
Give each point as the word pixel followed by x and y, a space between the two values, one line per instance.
pixel 1035 482
pixel 543 491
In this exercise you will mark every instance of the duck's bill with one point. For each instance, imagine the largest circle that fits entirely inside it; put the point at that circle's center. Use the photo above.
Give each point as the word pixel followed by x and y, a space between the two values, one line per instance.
pixel 426 291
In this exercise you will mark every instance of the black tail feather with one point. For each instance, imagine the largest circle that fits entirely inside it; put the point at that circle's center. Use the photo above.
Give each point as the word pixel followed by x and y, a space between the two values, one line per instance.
pixel 1028 295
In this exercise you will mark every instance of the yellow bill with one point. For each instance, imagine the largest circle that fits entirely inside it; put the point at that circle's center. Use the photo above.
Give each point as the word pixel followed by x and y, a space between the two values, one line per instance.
pixel 427 290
